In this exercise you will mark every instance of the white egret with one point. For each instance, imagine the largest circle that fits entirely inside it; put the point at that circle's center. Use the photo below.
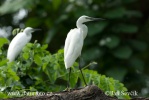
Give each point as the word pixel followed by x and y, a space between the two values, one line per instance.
pixel 18 42
pixel 74 43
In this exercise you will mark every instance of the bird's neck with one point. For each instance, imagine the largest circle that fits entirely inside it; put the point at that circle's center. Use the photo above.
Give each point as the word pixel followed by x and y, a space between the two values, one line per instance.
pixel 83 28
pixel 28 34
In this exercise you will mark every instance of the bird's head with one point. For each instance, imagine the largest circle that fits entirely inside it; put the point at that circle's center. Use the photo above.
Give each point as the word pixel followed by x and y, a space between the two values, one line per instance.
pixel 84 19
pixel 30 30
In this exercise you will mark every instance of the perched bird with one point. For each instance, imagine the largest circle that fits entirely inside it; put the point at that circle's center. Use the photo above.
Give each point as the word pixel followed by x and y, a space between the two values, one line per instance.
pixel 74 43
pixel 18 42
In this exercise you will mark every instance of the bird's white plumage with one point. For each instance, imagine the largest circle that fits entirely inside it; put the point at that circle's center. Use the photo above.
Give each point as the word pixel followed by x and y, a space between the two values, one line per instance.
pixel 74 40
pixel 18 42
pixel 73 47
pixel 74 43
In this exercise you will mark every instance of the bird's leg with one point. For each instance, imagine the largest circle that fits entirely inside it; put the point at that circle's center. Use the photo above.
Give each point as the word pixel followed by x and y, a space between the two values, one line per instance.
pixel 68 82
pixel 68 85
pixel 81 70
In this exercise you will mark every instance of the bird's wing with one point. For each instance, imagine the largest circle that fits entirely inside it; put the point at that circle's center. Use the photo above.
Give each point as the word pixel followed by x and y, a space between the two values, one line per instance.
pixel 74 46
pixel 16 45
pixel 67 41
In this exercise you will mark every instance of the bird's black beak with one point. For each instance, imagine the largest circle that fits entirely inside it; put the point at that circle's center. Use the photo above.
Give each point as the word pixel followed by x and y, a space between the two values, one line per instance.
pixel 94 19
pixel 37 29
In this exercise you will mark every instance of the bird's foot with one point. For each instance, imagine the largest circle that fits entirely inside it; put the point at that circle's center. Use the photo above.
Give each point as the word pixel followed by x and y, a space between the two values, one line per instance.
pixel 86 85
pixel 67 89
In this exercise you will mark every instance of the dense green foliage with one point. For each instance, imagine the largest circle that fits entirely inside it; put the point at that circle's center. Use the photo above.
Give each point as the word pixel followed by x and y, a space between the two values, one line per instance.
pixel 118 44
pixel 37 70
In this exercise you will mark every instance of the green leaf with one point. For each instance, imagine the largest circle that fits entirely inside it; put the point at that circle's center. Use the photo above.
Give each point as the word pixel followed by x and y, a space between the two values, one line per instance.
pixel 3 41
pixel 61 51
pixel 16 31
pixel 115 13
pixel 114 42
pixel 3 95
pixel 74 79
pixel 25 56
pixel 29 45
pixel 104 82
pixel 44 66
pixel 32 89
pixel 13 75
pixel 44 47
pixel 37 60
pixel 123 52
pixel 3 62
pixel 25 49
pixel 37 45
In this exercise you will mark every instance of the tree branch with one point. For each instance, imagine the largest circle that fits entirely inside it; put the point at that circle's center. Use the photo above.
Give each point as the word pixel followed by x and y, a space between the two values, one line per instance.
pixel 87 93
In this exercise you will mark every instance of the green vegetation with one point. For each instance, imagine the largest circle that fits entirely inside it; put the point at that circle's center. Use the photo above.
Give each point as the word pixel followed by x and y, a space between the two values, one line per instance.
pixel 118 44
pixel 38 70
